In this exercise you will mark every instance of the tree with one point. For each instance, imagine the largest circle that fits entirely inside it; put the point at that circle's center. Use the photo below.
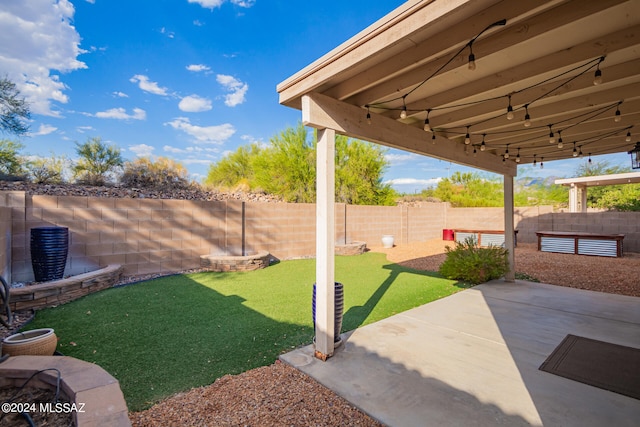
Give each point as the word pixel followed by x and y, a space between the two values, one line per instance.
pixel 10 161
pixel 48 170
pixel 162 174
pixel 287 167
pixel 234 170
pixel 14 110
pixel 96 161
pixel 470 190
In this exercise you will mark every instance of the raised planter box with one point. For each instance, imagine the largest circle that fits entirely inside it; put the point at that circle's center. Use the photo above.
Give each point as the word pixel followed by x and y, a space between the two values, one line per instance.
pixel 484 237
pixel 571 242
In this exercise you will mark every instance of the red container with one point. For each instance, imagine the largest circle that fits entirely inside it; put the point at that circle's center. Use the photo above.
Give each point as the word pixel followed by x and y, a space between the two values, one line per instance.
pixel 447 234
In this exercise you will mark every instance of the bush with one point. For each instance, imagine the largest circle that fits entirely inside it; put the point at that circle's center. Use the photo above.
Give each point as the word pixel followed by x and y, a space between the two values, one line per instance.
pixel 50 170
pixel 161 174
pixel 472 264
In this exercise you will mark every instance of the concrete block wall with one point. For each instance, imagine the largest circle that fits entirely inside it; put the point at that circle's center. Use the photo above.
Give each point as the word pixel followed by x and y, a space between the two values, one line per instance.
pixel 149 236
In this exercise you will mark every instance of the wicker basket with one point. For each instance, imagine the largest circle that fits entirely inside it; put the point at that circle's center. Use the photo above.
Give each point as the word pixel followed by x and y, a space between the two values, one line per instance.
pixel 37 342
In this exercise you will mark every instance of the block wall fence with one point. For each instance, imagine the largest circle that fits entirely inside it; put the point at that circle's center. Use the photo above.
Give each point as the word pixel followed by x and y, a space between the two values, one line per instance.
pixel 150 236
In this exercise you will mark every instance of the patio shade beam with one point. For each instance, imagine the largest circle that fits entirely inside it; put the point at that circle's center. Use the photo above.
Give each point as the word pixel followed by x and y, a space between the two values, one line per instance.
pixel 320 111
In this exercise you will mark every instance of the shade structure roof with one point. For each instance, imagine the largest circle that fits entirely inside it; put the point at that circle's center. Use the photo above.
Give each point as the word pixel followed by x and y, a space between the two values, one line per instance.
pixel 596 181
pixel 540 57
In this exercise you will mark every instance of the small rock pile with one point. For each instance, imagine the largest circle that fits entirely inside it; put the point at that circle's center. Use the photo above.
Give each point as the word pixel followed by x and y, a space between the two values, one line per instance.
pixel 115 191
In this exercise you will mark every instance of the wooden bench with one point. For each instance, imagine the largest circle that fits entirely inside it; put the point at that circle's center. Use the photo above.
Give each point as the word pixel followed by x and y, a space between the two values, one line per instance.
pixel 572 242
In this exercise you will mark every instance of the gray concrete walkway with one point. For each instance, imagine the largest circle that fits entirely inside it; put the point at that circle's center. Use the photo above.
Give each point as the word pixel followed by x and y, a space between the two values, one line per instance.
pixel 472 359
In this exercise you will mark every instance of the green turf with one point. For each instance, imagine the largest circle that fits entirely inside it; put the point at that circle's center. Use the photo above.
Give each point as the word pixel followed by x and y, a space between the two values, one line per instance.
pixel 170 334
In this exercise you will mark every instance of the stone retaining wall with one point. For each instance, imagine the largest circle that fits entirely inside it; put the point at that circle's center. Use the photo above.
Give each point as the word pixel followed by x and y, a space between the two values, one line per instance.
pixel 58 292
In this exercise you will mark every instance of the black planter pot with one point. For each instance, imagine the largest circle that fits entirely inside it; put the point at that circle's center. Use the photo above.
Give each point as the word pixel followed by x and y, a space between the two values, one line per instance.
pixel 49 250
pixel 338 311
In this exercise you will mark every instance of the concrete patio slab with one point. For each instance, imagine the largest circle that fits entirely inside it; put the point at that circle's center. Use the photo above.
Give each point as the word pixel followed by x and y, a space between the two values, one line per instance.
pixel 472 359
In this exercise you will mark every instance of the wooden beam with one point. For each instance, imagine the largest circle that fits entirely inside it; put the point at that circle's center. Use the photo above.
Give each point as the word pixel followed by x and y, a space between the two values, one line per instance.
pixel 325 244
pixel 320 111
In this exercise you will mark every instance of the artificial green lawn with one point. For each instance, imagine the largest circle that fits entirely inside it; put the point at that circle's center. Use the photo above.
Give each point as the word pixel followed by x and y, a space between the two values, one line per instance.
pixel 173 333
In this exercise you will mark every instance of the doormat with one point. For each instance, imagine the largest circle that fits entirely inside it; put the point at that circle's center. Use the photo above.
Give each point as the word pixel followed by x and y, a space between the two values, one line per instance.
pixel 601 364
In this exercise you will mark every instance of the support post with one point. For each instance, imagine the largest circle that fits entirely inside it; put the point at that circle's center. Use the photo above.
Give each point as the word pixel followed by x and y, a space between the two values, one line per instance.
pixel 509 234
pixel 325 244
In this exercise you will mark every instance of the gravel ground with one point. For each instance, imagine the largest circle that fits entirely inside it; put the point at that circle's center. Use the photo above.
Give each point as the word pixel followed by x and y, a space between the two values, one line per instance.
pixel 279 395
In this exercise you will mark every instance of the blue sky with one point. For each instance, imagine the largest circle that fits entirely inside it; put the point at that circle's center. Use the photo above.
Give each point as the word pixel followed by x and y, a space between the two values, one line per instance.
pixel 186 79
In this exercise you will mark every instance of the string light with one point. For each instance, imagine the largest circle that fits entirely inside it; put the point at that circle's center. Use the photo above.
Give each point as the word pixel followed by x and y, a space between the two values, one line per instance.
pixel 509 110
pixel 527 117
pixel 433 138
pixel 518 156
pixel 467 137
pixel 475 152
pixel 368 115
pixel 559 139
pixel 541 162
pixel 580 155
pixel 618 115
pixel 535 161
pixel 628 138
pixel 506 152
pixel 575 152
pixel 552 138
pixel 589 161
pixel 483 145
pixel 597 76
pixel 427 127
pixel 472 58
pixel 403 113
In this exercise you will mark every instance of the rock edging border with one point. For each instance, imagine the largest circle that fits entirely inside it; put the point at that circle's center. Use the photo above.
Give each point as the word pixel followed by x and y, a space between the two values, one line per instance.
pixel 61 291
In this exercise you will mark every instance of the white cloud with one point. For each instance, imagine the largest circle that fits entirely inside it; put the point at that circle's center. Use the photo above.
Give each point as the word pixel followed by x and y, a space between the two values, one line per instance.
pixel 399 158
pixel 121 114
pixel 212 4
pixel 194 104
pixel 45 130
pixel 37 38
pixel 120 95
pixel 236 87
pixel 83 129
pixel 142 150
pixel 190 150
pixel 203 134
pixel 414 181
pixel 196 68
pixel 148 86
pixel 169 34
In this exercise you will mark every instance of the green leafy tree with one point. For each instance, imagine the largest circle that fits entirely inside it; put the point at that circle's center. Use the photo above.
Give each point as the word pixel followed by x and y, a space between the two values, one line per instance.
pixel 469 189
pixel 162 173
pixel 234 170
pixel 359 169
pixel 97 162
pixel 10 160
pixel 14 110
pixel 287 167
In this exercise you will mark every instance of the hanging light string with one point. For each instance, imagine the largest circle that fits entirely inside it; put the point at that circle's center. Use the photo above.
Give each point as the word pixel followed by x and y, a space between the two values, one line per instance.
pixel 585 117
pixel 442 67
pixel 590 64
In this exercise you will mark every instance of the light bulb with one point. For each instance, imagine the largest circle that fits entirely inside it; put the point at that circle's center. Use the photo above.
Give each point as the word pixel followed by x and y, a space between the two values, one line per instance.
pixel 560 145
pixel 467 137
pixel 628 138
pixel 472 62
pixel 518 158
pixel 618 116
pixel 597 78
pixel 483 146
pixel 509 112
pixel 368 118
pixel 433 138
pixel 403 113
pixel 527 120
pixel 427 127
pixel 506 154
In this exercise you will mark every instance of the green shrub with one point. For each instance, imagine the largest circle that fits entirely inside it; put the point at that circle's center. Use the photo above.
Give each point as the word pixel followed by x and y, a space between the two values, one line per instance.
pixel 472 264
